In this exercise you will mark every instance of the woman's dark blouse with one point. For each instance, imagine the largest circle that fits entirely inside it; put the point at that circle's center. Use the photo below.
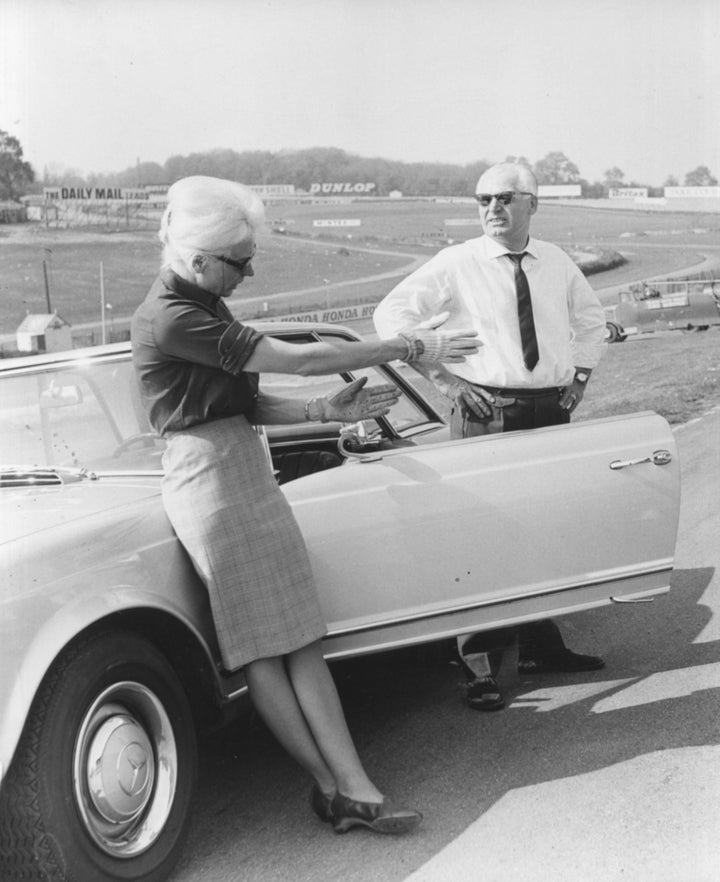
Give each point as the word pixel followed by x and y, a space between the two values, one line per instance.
pixel 188 354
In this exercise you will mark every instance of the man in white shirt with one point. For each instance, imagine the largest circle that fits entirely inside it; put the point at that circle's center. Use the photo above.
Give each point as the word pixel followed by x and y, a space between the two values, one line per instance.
pixel 541 332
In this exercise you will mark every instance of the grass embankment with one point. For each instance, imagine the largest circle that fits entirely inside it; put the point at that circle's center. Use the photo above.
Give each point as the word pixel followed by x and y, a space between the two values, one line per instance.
pixel 675 374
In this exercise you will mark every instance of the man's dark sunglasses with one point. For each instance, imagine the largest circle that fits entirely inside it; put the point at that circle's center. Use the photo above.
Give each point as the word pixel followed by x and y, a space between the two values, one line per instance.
pixel 504 198
pixel 239 265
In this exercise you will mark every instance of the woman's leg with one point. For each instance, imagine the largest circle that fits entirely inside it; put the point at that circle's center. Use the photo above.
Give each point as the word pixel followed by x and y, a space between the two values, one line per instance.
pixel 319 701
pixel 296 697
pixel 275 701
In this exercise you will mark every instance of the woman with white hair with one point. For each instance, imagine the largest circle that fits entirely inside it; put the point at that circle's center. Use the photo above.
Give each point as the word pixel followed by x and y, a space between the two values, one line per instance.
pixel 198 369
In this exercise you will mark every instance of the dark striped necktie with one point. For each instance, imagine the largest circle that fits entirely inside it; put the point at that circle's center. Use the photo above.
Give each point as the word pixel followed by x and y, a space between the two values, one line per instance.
pixel 525 313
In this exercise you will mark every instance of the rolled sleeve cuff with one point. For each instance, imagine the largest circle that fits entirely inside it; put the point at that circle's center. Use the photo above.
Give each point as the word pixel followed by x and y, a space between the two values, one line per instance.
pixel 236 345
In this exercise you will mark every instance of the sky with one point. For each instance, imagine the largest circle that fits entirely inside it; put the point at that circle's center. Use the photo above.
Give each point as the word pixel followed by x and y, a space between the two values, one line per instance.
pixel 98 85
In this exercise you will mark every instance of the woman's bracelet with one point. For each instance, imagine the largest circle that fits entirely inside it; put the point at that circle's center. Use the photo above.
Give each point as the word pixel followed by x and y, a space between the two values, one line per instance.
pixel 314 412
pixel 415 347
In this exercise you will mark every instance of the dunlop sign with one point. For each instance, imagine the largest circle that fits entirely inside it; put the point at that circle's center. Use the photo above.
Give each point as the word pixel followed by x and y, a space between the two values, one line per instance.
pixel 346 189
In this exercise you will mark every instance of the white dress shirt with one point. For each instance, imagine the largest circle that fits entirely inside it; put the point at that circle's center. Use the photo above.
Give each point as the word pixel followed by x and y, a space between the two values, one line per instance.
pixel 475 283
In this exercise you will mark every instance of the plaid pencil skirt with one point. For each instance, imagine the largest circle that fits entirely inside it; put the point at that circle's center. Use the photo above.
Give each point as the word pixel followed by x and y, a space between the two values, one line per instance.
pixel 237 527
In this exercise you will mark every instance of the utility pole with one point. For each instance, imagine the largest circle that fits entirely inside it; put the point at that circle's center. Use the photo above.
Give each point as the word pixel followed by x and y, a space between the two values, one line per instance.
pixel 102 304
pixel 47 287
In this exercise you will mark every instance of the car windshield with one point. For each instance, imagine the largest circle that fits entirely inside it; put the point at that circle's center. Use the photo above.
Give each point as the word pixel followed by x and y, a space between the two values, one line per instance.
pixel 404 415
pixel 86 412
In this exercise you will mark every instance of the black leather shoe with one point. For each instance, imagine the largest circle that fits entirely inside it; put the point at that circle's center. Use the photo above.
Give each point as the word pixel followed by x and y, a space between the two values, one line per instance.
pixel 320 803
pixel 382 817
pixel 559 662
pixel 483 694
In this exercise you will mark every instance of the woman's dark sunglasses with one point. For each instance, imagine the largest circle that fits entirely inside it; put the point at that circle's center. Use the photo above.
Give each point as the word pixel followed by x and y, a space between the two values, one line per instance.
pixel 504 198
pixel 239 265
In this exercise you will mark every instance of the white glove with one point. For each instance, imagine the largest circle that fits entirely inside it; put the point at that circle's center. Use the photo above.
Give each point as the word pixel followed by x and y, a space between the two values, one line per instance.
pixel 427 346
pixel 353 403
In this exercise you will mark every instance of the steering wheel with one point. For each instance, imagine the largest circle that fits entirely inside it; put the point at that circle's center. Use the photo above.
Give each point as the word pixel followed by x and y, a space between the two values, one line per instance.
pixel 144 439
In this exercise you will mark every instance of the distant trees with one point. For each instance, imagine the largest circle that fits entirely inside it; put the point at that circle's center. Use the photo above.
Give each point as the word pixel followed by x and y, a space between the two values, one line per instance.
pixel 15 174
pixel 614 177
pixel 700 177
pixel 302 168
pixel 519 160
pixel 556 168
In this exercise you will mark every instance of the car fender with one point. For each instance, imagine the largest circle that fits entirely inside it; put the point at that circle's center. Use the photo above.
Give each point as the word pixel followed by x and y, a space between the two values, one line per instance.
pixel 127 586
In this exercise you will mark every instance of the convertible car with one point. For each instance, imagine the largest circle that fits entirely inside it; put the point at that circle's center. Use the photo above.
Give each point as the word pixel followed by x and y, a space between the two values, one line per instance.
pixel 108 658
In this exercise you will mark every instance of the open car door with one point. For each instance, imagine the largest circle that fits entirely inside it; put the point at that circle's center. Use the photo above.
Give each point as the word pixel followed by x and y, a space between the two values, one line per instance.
pixel 435 540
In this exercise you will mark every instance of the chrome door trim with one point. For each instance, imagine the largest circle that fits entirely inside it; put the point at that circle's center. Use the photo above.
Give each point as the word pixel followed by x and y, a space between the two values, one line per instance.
pixel 664 566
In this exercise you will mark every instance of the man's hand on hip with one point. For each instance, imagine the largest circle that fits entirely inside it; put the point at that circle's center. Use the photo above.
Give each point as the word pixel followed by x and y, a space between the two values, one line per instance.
pixel 572 395
pixel 466 398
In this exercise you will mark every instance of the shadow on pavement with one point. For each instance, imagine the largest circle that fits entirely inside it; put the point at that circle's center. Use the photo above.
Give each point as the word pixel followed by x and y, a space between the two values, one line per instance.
pixel 423 745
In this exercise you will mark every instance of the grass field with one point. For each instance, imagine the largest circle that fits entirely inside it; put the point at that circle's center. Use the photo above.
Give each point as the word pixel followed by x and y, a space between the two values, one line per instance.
pixel 394 233
pixel 675 374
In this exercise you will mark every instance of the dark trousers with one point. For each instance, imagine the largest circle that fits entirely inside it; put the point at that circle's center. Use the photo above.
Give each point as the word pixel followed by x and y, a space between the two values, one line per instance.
pixel 481 654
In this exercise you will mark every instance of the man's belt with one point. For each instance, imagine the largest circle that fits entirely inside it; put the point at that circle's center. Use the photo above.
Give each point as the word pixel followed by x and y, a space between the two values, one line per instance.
pixel 504 396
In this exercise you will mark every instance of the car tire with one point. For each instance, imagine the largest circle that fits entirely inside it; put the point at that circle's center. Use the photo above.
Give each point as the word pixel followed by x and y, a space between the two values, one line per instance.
pixel 613 334
pixel 103 778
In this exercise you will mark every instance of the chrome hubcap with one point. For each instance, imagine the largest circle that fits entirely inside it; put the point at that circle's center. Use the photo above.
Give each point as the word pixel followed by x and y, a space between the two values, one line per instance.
pixel 125 769
pixel 120 768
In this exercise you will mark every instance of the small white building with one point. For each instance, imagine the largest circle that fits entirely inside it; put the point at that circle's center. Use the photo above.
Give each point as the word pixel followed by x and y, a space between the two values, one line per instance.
pixel 43 332
pixel 12 212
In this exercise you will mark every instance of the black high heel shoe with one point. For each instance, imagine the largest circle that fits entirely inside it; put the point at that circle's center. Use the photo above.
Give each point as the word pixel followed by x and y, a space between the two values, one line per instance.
pixel 320 803
pixel 382 817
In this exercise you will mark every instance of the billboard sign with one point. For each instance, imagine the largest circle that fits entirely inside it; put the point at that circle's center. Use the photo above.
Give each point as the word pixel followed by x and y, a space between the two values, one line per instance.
pixel 272 189
pixel 628 193
pixel 332 316
pixel 546 191
pixel 94 194
pixel 685 192
pixel 345 189
pixel 337 222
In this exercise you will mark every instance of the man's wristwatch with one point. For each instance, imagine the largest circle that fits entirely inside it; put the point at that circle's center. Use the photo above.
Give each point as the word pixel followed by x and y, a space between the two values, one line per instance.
pixel 582 377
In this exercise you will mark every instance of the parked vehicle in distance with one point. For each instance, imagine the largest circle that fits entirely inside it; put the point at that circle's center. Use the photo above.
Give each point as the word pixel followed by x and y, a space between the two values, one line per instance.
pixel 663 306
pixel 108 656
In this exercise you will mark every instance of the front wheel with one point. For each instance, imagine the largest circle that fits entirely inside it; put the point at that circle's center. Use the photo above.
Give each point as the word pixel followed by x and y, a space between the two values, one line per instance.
pixel 101 784
pixel 613 333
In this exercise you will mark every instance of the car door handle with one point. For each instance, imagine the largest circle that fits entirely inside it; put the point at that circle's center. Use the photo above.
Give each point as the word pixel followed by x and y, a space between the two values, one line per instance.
pixel 659 457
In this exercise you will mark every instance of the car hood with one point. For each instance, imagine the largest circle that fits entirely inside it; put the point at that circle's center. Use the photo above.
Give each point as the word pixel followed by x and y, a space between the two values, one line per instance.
pixel 29 510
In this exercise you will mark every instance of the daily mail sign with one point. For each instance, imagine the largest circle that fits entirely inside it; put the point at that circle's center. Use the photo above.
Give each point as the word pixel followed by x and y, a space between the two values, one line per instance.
pixel 93 194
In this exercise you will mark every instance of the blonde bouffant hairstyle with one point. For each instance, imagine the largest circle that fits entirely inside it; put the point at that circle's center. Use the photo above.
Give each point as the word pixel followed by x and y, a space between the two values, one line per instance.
pixel 207 215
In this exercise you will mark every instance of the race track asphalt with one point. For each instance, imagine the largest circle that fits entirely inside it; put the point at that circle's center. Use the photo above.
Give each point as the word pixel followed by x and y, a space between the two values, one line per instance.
pixel 611 776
